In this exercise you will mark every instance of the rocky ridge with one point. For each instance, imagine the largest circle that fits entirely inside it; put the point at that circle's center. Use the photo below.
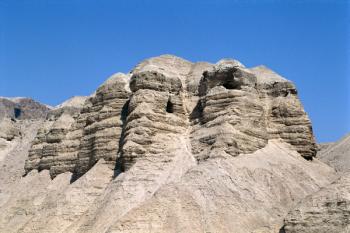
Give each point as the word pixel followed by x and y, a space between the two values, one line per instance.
pixel 229 110
pixel 337 154
pixel 172 146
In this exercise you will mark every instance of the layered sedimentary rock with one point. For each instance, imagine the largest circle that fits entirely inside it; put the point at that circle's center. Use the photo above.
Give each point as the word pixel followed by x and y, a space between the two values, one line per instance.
pixel 76 137
pixel 231 117
pixel 57 142
pixel 286 118
pixel 172 146
pixel 102 119
pixel 225 110
pixel 157 116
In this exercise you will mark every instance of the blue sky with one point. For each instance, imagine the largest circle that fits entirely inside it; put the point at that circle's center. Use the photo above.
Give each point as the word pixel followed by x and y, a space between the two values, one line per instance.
pixel 51 50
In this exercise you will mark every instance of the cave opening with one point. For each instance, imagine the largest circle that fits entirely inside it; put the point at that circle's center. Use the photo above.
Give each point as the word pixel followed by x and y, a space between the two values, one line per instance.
pixel 17 112
pixel 308 158
pixel 169 107
pixel 229 85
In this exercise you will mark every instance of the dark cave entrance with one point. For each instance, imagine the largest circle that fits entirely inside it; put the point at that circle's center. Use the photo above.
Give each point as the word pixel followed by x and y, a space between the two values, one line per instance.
pixel 229 85
pixel 17 112
pixel 170 107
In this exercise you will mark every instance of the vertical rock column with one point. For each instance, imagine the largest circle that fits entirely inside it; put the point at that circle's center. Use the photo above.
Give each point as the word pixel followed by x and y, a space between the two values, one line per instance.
pixel 156 118
pixel 103 117
pixel 231 119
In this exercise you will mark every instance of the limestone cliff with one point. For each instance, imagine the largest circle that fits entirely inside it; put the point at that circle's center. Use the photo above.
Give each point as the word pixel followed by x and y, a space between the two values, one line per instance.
pixel 224 109
pixel 171 146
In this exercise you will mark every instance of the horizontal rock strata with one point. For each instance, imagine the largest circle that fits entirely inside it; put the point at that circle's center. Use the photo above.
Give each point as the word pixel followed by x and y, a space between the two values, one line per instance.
pixel 172 146
pixel 224 109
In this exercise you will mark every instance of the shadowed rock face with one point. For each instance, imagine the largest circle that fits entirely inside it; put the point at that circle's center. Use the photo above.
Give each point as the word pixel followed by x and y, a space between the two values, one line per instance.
pixel 22 109
pixel 15 110
pixel 223 109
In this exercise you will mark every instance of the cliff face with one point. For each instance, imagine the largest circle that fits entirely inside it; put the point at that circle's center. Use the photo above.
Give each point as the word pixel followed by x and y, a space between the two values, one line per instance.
pixel 223 110
pixel 172 146
pixel 75 137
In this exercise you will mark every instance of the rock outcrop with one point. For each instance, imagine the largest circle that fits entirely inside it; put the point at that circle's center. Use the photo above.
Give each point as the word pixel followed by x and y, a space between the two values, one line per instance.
pixel 225 110
pixel 76 137
pixel 337 154
pixel 327 210
pixel 15 109
pixel 20 118
pixel 22 108
pixel 172 146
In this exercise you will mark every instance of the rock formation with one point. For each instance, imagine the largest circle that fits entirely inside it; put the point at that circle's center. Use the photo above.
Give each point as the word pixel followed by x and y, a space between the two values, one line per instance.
pixel 172 146
pixel 76 137
pixel 20 119
pixel 327 210
pixel 337 154
pixel 224 109
pixel 22 108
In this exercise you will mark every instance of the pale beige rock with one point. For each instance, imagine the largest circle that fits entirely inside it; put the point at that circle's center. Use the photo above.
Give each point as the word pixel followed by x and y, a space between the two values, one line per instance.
pixel 337 154
pixel 20 119
pixel 249 193
pixel 327 210
pixel 75 101
pixel 172 146
pixel 77 135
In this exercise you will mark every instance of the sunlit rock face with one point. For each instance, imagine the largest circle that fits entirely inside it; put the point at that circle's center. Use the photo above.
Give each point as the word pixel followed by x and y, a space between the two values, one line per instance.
pixel 231 118
pixel 223 109
pixel 171 146
pixel 286 118
pixel 327 210
pixel 75 137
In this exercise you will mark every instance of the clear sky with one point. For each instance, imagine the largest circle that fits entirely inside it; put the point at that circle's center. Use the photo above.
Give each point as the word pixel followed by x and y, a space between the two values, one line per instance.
pixel 51 50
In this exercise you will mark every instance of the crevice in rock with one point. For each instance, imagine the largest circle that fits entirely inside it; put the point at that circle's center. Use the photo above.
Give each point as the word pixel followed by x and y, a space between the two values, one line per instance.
pixel 119 167
pixel 74 177
pixel 197 112
pixel 282 230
